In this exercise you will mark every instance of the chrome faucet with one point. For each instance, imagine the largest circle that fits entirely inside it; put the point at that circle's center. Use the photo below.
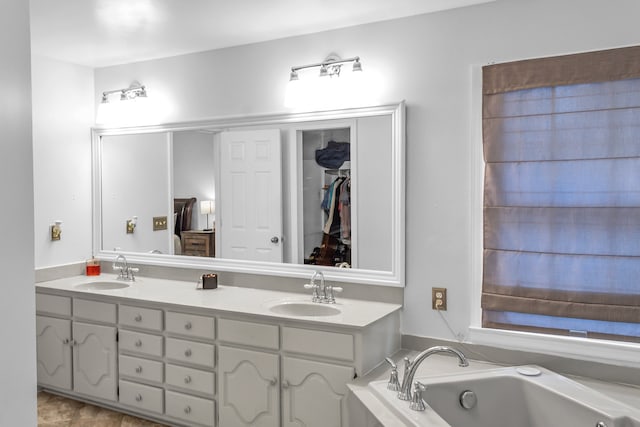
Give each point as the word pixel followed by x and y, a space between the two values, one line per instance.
pixel 322 293
pixel 126 272
pixel 318 290
pixel 410 367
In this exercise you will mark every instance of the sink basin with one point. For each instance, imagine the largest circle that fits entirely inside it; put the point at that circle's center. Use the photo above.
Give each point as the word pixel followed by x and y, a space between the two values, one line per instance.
pixel 102 286
pixel 299 308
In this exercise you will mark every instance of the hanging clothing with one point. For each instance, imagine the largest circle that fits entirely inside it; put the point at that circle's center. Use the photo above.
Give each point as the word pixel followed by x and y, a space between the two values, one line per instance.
pixel 344 207
pixel 332 225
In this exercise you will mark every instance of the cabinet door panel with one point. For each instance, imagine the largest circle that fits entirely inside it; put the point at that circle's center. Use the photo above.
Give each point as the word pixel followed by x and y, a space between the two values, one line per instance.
pixel 94 360
pixel 248 388
pixel 313 393
pixel 54 352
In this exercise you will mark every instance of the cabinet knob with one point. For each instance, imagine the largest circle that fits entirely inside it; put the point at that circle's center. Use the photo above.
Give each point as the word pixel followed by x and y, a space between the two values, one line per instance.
pixel 187 379
pixel 273 381
pixel 66 341
pixel 138 343
pixel 187 352
pixel 187 326
pixel 187 409
pixel 138 318
pixel 73 343
pixel 139 370
pixel 285 384
pixel 275 239
pixel 138 398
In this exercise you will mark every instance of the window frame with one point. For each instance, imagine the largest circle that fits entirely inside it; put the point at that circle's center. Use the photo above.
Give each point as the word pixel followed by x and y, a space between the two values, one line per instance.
pixel 603 351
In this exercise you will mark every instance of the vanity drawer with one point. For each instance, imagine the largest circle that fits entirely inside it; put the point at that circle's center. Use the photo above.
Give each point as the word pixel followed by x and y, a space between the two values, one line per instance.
pixel 138 342
pixel 137 368
pixel 191 325
pixel 94 310
pixel 191 379
pixel 190 408
pixel 145 318
pixel 53 304
pixel 248 333
pixel 318 343
pixel 191 352
pixel 141 396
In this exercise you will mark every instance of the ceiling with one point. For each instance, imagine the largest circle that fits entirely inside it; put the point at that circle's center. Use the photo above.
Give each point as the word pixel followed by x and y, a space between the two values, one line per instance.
pixel 100 33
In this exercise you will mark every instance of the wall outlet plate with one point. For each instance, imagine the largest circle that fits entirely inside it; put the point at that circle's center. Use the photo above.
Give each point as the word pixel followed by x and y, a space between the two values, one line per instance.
pixel 439 299
pixel 159 223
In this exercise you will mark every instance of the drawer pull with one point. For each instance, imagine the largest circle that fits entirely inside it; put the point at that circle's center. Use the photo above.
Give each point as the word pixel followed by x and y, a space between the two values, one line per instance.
pixel 138 398
pixel 138 318
pixel 139 370
pixel 187 352
pixel 138 343
pixel 187 326
pixel 187 379
pixel 187 409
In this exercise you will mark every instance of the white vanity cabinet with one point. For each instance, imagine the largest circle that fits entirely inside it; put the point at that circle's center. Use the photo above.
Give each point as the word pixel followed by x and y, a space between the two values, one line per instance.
pixel 140 358
pixel 190 368
pixel 76 345
pixel 314 391
pixel 248 379
pixel 198 365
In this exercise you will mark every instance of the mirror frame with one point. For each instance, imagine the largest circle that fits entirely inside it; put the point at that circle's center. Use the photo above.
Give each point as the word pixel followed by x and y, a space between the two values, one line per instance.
pixel 395 277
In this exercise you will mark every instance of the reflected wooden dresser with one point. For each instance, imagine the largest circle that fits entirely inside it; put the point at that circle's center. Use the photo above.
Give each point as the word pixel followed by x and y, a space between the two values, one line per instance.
pixel 198 243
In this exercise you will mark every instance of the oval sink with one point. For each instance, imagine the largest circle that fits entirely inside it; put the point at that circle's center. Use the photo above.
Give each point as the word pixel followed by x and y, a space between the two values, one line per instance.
pixel 304 309
pixel 102 286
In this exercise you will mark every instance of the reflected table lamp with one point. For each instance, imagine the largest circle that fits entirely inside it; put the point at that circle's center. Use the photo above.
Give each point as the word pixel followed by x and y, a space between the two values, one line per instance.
pixel 207 207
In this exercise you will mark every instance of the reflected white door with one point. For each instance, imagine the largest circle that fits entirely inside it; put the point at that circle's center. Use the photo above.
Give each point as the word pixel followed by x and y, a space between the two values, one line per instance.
pixel 250 207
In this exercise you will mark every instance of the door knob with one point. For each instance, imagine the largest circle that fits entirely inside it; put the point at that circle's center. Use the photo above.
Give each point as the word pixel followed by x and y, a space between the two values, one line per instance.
pixel 275 239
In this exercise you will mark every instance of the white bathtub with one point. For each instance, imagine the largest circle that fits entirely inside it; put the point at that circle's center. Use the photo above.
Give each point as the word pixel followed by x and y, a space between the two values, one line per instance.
pixel 508 397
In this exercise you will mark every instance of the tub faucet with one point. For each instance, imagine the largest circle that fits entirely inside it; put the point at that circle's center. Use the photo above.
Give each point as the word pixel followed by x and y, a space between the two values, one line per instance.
pixel 410 367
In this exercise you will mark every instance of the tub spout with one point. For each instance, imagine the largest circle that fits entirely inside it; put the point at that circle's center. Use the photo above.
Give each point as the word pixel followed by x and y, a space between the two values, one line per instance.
pixel 412 366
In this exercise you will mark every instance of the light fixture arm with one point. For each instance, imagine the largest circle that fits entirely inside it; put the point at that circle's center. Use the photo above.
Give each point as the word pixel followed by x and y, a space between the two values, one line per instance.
pixel 331 60
pixel 133 91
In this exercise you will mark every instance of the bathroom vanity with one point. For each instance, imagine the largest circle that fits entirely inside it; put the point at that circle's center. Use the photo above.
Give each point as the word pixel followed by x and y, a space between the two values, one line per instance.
pixel 163 350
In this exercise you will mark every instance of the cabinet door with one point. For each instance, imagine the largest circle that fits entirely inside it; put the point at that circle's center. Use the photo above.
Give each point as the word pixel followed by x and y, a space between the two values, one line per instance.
pixel 248 388
pixel 54 352
pixel 313 393
pixel 94 360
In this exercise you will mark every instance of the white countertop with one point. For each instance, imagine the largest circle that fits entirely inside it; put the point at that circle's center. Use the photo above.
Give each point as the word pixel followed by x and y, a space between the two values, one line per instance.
pixel 354 313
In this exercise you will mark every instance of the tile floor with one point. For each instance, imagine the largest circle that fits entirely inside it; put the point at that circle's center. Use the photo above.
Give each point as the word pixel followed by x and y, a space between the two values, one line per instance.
pixel 57 411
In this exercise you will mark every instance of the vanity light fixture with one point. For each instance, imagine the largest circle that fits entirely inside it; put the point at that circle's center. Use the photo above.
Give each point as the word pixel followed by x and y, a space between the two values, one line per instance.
pixel 135 90
pixel 331 66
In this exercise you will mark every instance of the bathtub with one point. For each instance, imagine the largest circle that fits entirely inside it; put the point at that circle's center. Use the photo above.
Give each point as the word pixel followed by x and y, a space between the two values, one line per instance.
pixel 521 396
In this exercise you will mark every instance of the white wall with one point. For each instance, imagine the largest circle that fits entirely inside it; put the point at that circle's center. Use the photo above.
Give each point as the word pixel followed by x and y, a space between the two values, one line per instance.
pixel 17 304
pixel 194 172
pixel 63 112
pixel 135 182
pixel 427 61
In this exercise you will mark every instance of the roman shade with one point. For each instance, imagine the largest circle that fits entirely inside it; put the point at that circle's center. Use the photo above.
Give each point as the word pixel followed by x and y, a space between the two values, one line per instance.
pixel 561 142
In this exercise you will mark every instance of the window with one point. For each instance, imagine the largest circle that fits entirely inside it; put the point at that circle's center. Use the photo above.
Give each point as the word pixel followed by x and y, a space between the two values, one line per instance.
pixel 561 141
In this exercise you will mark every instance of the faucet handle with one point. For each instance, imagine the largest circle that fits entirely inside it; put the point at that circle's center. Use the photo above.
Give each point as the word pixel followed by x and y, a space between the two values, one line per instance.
pixel 417 403
pixel 393 384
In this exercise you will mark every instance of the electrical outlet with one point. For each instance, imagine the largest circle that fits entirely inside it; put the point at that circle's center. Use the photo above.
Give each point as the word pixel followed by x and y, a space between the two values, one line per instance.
pixel 439 298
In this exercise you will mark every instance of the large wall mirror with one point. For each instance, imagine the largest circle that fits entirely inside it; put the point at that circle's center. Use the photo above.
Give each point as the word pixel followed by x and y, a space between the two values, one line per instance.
pixel 275 194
